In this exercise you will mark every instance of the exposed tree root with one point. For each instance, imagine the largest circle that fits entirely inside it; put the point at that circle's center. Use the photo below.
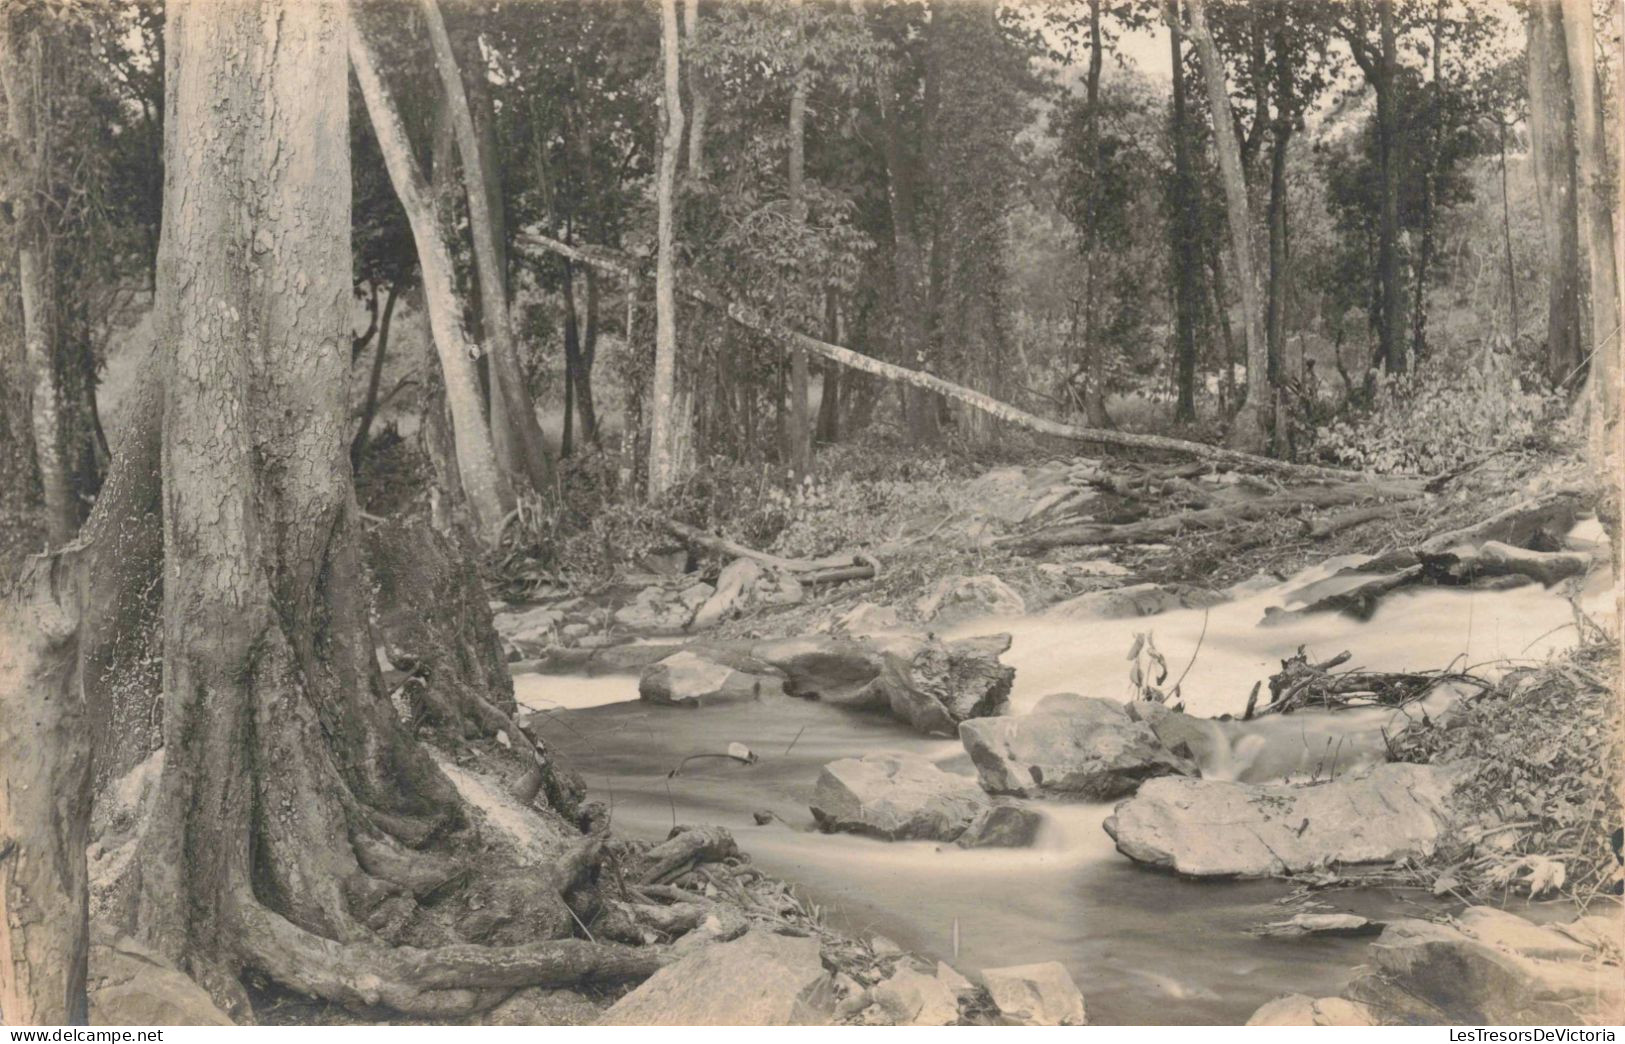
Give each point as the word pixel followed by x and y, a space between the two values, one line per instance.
pixel 816 569
pixel 685 850
pixel 440 981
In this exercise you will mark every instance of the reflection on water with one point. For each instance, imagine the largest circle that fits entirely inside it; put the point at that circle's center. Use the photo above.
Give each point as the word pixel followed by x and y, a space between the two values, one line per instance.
pixel 1144 947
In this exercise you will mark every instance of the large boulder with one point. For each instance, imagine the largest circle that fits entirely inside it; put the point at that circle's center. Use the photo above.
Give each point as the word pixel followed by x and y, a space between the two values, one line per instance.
pixel 1489 968
pixel 1035 995
pixel 932 685
pixel 129 985
pixel 686 679
pixel 895 797
pixel 1211 828
pixel 759 979
pixel 1071 745
pixel 956 598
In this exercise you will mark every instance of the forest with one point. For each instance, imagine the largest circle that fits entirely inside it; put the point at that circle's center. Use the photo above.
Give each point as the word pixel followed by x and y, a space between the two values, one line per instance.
pixel 529 511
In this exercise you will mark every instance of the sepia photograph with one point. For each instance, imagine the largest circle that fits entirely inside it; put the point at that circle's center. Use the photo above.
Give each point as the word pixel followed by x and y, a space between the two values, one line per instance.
pixel 843 513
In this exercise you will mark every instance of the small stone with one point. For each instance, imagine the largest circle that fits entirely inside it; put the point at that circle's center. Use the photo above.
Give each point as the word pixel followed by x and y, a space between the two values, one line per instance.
pixel 957 984
pixel 913 999
pixel 1036 995
pixel 1002 826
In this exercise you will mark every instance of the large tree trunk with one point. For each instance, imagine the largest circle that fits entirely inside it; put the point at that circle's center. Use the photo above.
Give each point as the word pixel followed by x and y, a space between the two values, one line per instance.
pixel 1551 135
pixel 22 73
pixel 920 408
pixel 1430 192
pixel 1186 232
pixel 488 492
pixel 662 441
pixel 291 798
pixel 1602 395
pixel 697 96
pixel 1255 420
pixel 515 432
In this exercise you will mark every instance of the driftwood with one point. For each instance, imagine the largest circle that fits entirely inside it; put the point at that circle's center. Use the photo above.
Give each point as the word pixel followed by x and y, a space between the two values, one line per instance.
pixel 752 320
pixel 1538 523
pixel 686 849
pixel 1300 685
pixel 1156 530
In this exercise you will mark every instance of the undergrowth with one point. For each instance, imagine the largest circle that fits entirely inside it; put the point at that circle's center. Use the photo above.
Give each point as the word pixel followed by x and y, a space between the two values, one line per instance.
pixel 1544 750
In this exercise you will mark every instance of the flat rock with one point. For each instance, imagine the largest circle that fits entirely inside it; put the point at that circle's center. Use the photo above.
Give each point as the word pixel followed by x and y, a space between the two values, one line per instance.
pixel 1002 826
pixel 1035 995
pixel 1126 603
pixel 895 797
pixel 759 979
pixel 1071 745
pixel 956 598
pixel 1212 828
pixel 867 618
pixel 912 999
pixel 688 680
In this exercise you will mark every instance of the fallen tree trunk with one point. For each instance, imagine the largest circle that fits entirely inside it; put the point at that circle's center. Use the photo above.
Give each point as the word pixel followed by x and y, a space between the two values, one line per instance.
pixel 1321 528
pixel 1155 530
pixel 755 321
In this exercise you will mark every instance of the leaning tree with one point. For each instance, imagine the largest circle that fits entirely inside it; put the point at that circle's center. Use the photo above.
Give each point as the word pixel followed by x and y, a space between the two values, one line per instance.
pixel 302 828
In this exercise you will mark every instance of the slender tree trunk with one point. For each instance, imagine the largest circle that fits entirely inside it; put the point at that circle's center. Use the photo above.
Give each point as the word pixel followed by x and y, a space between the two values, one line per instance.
pixel 1391 336
pixel 585 406
pixel 663 441
pixel 572 357
pixel 697 98
pixel 1280 144
pixel 516 433
pixel 369 406
pixel 1186 232
pixel 489 495
pixel 1094 390
pixel 920 408
pixel 1254 422
pixel 1506 237
pixel 829 403
pixel 22 73
pixel 800 440
pixel 1551 139
pixel 1430 192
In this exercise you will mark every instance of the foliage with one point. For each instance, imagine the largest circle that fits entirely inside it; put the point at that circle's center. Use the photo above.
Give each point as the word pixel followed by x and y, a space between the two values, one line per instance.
pixel 1442 417
pixel 1543 751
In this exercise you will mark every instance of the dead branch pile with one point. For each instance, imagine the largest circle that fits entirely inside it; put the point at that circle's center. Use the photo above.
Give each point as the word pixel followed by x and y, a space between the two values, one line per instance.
pixel 1300 685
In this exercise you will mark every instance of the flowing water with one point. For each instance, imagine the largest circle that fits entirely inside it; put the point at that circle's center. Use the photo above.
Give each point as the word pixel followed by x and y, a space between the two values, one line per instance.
pixel 1144 947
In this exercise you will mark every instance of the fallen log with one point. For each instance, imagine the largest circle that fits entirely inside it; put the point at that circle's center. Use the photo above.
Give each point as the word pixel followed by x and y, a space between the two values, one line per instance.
pixel 1538 523
pixel 1300 685
pixel 1498 559
pixel 1156 530
pixel 1327 525
pixel 686 849
pixel 815 570
pixel 752 320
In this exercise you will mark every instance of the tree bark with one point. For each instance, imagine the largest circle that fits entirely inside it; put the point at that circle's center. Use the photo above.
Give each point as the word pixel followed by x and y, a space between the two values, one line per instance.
pixel 1602 394
pixel 44 810
pixel 1392 333
pixel 1551 138
pixel 698 100
pixel 1186 232
pixel 800 436
pixel 829 403
pixel 1254 422
pixel 516 433
pixel 908 272
pixel 22 73
pixel 488 492
pixel 662 442
pixel 1430 192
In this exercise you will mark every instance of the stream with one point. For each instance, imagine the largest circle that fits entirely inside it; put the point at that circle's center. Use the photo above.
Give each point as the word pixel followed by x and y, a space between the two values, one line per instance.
pixel 1144 947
